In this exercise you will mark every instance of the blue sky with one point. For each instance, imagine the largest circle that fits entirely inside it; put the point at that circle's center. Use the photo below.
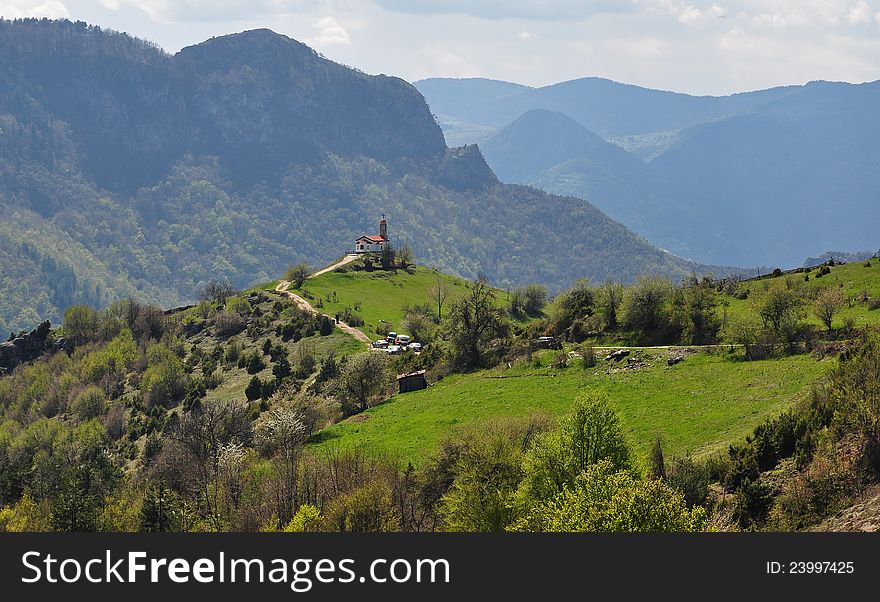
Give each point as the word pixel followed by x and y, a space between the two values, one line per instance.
pixel 695 46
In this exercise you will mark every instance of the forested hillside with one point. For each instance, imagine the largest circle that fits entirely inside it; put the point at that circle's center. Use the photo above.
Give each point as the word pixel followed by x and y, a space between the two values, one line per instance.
pixel 128 171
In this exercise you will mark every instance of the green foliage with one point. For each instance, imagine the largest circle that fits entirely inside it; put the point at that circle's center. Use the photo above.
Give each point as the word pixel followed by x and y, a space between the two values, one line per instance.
pixel 590 432
pixel 605 499
pixel 297 274
pixel 165 380
pixel 307 518
pixel 474 320
pixel 369 508
pixel 89 403
pixel 363 377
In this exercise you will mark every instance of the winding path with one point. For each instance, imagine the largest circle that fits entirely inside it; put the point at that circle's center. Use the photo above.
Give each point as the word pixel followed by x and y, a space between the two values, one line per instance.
pixel 284 285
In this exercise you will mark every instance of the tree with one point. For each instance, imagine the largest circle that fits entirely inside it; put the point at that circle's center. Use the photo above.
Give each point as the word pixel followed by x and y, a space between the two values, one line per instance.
pixel 695 303
pixel 827 304
pixel 387 257
pixel 364 376
pixel 474 320
pixel 254 389
pixel 216 291
pixel 405 256
pixel 439 293
pixel 298 274
pixel 160 512
pixel 80 324
pixel 608 500
pixel 485 466
pixel 744 331
pixel 644 306
pixel 535 298
pixel 590 432
pixel 781 310
pixel 203 433
pixel 165 380
pixel 609 297
pixel 575 303
pixel 89 403
pixel 656 460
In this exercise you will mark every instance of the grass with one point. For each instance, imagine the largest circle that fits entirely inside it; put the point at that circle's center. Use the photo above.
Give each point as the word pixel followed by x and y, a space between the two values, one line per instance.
pixel 379 295
pixel 854 277
pixel 698 406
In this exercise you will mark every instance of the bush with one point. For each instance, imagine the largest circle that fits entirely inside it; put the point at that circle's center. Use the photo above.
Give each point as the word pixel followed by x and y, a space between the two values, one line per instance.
pixel 89 403
pixel 228 323
pixel 254 390
pixel 589 355
pixel 605 500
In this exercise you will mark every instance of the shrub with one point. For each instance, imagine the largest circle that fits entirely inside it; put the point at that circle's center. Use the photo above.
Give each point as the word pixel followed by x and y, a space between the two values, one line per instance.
pixel 228 323
pixel 254 390
pixel 589 355
pixel 89 403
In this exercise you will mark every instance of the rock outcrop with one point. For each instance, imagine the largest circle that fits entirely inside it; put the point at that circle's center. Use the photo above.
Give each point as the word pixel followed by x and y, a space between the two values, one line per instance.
pixel 28 347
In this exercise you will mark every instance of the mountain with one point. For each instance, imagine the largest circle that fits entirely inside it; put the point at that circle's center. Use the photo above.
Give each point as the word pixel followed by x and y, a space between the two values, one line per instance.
pixel 747 179
pixel 551 151
pixel 608 108
pixel 126 171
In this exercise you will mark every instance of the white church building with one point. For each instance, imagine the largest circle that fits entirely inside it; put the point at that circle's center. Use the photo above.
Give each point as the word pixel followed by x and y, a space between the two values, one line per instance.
pixel 372 243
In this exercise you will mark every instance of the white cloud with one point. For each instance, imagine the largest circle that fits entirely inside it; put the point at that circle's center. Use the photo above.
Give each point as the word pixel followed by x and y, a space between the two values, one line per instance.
pixel 543 10
pixel 20 9
pixel 859 13
pixel 330 32
pixel 526 35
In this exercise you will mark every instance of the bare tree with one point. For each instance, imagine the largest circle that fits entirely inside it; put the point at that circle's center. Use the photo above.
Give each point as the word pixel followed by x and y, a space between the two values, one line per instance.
pixel 204 434
pixel 216 291
pixel 439 293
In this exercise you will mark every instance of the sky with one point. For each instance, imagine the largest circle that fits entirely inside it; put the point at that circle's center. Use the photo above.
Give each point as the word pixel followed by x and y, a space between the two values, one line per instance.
pixel 693 46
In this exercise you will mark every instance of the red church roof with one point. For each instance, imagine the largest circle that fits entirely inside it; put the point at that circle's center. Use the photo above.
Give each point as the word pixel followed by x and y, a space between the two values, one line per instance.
pixel 375 239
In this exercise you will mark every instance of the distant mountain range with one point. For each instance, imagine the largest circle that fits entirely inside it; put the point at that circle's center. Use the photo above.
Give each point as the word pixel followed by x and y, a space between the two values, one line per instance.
pixel 128 171
pixel 759 178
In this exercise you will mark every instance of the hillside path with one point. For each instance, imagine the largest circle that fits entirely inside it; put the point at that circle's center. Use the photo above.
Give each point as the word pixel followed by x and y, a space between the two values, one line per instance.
pixel 347 259
pixel 305 305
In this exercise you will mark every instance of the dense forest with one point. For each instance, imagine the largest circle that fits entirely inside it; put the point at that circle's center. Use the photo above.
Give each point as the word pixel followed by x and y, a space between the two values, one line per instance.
pixel 127 171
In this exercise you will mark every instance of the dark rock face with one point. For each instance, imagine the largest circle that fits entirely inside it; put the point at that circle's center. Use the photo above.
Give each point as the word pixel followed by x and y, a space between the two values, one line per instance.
pixel 28 347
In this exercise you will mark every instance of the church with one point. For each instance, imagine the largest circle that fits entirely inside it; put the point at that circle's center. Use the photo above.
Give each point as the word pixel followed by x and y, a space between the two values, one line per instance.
pixel 372 243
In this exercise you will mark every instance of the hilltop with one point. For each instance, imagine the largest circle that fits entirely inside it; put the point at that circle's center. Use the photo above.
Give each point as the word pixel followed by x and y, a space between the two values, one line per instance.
pixel 127 171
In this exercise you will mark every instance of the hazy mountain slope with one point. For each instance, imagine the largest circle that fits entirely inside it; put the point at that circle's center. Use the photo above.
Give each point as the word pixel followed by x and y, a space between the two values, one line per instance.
pixel 242 155
pixel 760 178
pixel 606 107
pixel 792 178
pixel 551 151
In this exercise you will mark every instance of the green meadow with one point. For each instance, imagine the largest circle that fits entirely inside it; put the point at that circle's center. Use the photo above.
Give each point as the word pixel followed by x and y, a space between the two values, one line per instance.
pixel 697 407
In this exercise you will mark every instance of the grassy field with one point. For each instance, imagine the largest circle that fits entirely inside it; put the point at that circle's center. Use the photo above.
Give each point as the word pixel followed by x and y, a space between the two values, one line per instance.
pixel 378 295
pixel 698 406
pixel 854 277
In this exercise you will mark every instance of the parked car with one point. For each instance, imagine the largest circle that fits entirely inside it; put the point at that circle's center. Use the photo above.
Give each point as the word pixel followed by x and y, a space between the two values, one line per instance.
pixel 416 347
pixel 380 344
pixel 391 337
pixel 394 349
pixel 547 343
pixel 403 340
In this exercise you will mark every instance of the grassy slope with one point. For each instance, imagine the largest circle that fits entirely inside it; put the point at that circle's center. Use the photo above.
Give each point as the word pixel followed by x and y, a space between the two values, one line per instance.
pixel 381 295
pixel 855 278
pixel 698 406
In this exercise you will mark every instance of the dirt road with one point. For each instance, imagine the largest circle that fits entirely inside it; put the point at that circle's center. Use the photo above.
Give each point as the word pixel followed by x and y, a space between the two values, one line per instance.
pixel 305 305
